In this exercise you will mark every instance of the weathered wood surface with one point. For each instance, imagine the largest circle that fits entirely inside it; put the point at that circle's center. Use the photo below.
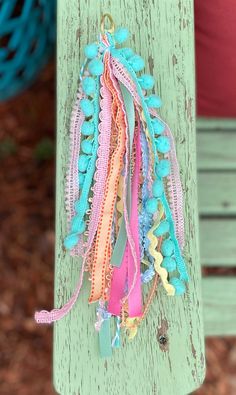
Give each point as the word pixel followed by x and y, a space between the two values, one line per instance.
pixel 216 150
pixel 216 124
pixel 219 306
pixel 218 242
pixel 217 193
pixel 217 206
pixel 163 33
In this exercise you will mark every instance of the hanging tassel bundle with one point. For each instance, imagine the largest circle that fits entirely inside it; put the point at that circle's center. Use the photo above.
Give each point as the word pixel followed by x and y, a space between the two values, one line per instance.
pixel 123 194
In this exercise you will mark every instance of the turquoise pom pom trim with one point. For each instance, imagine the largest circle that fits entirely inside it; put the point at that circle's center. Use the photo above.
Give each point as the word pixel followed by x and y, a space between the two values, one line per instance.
pixel 158 126
pixel 163 144
pixel 178 285
pixel 154 101
pixel 167 247
pixel 87 147
pixel 81 205
pixel 87 128
pixel 157 188
pixel 71 240
pixel 163 168
pixel 96 67
pixel 81 179
pixel 169 264
pixel 163 228
pixel 83 163
pixel 87 107
pixel 147 81
pixel 88 85
pixel 151 206
pixel 91 51
pixel 121 35
pixel 127 52
pixel 137 63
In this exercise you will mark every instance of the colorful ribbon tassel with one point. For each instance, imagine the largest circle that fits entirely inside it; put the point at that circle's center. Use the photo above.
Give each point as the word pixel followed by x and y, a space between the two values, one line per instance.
pixel 123 194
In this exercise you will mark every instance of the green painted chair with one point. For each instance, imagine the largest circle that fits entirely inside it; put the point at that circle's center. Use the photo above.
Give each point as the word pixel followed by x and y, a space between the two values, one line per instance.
pixel 163 34
pixel 216 160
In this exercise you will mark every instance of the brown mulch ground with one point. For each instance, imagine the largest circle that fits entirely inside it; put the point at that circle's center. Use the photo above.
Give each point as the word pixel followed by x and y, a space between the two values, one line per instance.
pixel 27 247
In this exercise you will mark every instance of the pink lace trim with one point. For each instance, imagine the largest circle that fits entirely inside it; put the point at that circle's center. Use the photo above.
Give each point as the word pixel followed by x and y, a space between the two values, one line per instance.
pixel 175 191
pixel 72 182
pixel 102 161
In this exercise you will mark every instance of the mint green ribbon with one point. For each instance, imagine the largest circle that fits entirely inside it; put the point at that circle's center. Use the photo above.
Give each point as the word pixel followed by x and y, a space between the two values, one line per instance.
pixel 105 345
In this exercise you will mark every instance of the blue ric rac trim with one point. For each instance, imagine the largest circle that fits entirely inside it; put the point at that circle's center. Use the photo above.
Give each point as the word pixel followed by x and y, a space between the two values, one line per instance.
pixel 145 219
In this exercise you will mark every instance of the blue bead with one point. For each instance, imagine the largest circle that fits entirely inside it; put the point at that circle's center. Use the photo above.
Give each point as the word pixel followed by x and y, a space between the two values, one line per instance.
pixel 147 81
pixel 167 247
pixel 77 225
pixel 153 101
pixel 127 52
pixel 163 168
pixel 91 51
pixel 163 144
pixel 163 228
pixel 87 147
pixel 81 179
pixel 121 35
pixel 87 128
pixel 169 264
pixel 89 85
pixel 71 240
pixel 151 206
pixel 158 126
pixel 178 285
pixel 83 163
pixel 96 67
pixel 87 107
pixel 137 63
pixel 157 188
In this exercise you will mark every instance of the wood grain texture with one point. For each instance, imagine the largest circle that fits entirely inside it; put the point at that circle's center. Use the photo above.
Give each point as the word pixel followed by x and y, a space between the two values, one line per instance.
pixel 162 32
pixel 214 124
pixel 217 193
pixel 219 306
pixel 217 205
pixel 218 242
pixel 216 150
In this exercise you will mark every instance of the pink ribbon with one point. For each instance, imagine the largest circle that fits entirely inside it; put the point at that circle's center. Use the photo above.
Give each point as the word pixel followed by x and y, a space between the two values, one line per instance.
pixel 135 296
pixel 128 269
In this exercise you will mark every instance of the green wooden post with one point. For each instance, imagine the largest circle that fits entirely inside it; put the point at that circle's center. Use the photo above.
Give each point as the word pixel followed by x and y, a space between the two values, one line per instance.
pixel 162 32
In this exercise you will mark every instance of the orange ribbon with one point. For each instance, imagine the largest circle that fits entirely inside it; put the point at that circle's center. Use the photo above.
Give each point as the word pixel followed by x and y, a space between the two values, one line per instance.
pixel 103 236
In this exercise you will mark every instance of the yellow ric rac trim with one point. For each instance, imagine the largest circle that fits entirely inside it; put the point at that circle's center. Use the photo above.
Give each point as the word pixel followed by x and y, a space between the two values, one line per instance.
pixel 158 258
pixel 131 324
